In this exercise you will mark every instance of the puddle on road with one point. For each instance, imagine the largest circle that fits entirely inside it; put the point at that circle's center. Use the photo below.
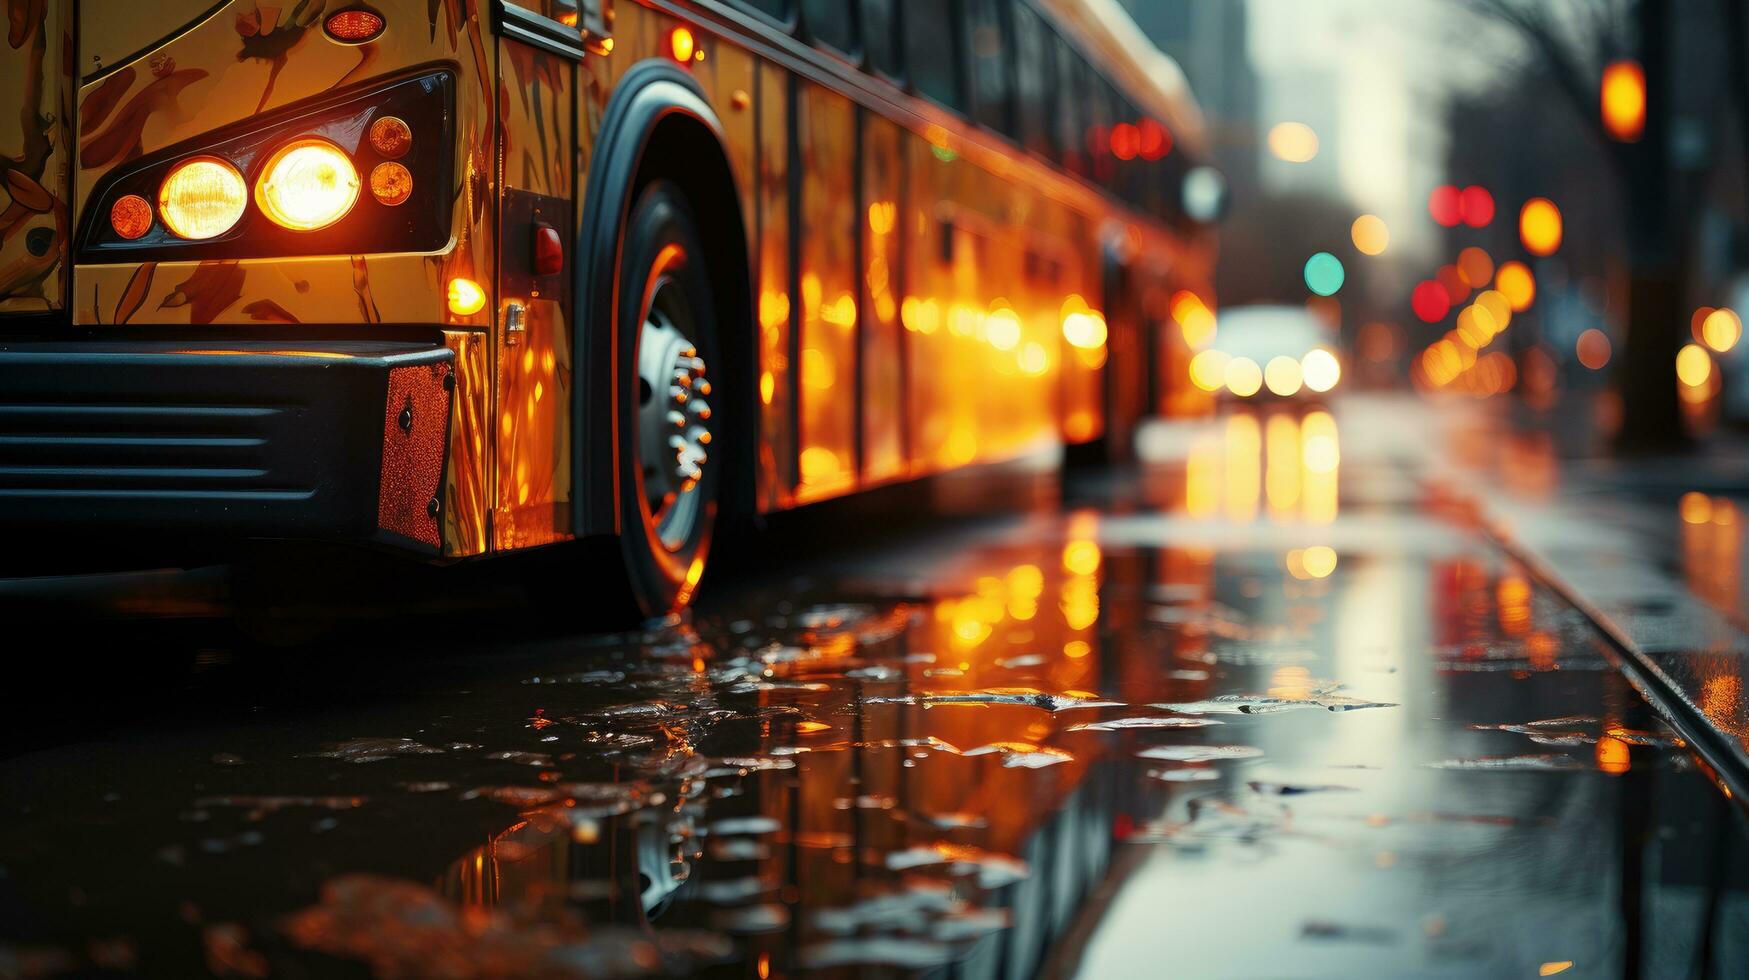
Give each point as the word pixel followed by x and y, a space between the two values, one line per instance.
pixel 1299 740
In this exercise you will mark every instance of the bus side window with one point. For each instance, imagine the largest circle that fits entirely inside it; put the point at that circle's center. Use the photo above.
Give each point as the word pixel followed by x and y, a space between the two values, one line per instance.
pixel 832 23
pixel 991 103
pixel 931 28
pixel 1070 124
pixel 1091 92
pixel 880 37
pixel 1034 69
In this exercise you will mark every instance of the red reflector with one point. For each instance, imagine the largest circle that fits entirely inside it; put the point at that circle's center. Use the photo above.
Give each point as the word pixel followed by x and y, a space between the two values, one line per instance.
pixel 549 251
pixel 354 26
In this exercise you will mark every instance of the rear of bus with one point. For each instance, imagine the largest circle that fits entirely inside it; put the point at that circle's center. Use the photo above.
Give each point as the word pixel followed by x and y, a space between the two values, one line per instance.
pixel 245 261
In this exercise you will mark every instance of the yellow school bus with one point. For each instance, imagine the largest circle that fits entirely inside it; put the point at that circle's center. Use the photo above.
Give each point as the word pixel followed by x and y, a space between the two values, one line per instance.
pixel 467 277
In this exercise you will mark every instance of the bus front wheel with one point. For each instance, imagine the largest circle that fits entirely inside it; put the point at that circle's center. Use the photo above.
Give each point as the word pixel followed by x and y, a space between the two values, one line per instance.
pixel 671 457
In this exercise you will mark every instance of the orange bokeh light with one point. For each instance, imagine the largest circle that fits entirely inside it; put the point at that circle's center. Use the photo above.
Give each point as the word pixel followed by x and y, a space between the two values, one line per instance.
pixel 1539 226
pixel 1624 101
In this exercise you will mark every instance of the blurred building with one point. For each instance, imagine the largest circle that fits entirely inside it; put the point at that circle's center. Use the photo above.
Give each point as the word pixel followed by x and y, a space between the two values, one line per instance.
pixel 1209 40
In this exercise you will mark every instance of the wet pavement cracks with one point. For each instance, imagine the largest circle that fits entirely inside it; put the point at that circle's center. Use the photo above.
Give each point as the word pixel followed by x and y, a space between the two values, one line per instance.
pixel 1268 707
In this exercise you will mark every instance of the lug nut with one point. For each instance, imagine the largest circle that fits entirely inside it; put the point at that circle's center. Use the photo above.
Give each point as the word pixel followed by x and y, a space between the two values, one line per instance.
pixel 678 394
pixel 677 420
pixel 702 410
pixel 703 387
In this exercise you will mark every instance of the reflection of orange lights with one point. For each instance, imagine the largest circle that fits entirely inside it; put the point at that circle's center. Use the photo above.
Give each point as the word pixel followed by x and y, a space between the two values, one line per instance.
pixel 1080 602
pixel 1513 597
pixel 1542 648
pixel 1612 755
pixel 1282 476
pixel 1291 682
pixel 1077 649
pixel 1696 508
pixel 1081 557
pixel 1244 449
pixel 1721 696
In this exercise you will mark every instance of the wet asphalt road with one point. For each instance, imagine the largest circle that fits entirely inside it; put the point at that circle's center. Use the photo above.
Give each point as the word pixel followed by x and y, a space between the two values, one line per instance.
pixel 1265 706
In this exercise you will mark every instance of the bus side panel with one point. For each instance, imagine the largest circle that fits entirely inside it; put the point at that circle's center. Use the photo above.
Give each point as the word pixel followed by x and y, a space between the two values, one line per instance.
pixel 36 96
pixel 250 59
pixel 537 157
pixel 883 393
pixel 777 437
pixel 825 129
pixel 1082 382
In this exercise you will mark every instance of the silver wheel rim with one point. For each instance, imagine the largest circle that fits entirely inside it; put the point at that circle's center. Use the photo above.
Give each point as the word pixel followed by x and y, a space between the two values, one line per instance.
pixel 673 417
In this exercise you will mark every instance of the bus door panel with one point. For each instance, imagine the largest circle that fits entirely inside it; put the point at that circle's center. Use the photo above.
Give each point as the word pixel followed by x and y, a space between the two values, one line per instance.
pixel 537 157
pixel 1082 366
pixel 777 415
pixel 1125 364
pixel 929 245
pixel 825 131
pixel 883 419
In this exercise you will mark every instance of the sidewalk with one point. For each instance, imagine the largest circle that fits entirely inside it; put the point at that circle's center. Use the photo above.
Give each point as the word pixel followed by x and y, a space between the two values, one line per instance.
pixel 1651 549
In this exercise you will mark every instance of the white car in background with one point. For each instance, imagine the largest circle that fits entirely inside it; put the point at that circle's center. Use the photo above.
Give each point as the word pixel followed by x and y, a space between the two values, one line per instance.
pixel 1262 352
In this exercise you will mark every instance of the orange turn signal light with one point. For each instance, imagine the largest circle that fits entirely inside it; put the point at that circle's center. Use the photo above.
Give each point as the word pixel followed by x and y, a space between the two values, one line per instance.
pixel 354 26
pixel 391 136
pixel 466 297
pixel 131 216
pixel 682 44
pixel 391 183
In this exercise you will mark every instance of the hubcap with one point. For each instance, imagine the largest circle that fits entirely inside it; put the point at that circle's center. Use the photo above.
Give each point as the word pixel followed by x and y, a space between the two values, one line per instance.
pixel 673 416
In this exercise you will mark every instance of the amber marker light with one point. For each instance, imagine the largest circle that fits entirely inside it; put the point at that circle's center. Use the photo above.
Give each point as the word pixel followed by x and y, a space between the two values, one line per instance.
pixel 391 136
pixel 391 183
pixel 682 45
pixel 307 184
pixel 466 297
pixel 354 26
pixel 202 198
pixel 131 216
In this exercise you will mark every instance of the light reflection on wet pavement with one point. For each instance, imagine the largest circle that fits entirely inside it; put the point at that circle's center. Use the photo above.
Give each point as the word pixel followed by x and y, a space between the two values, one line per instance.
pixel 1216 719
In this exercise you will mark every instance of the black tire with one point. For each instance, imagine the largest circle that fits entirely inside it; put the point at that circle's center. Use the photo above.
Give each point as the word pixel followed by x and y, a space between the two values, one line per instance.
pixel 663 265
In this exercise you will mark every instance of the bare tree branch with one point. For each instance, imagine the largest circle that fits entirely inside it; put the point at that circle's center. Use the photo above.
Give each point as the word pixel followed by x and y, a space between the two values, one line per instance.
pixel 1567 68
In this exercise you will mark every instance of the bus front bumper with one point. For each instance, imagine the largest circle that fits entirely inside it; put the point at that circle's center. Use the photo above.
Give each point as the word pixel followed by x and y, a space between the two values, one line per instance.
pixel 209 441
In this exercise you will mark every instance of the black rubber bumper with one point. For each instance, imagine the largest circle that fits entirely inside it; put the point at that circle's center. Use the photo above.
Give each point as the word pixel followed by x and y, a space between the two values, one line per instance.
pixel 206 441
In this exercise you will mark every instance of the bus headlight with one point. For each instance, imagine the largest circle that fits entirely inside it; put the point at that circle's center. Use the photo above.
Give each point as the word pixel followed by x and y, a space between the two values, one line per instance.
pixel 307 184
pixel 201 198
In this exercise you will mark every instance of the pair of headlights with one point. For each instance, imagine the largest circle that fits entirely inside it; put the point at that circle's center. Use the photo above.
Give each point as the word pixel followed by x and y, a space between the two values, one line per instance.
pixel 306 184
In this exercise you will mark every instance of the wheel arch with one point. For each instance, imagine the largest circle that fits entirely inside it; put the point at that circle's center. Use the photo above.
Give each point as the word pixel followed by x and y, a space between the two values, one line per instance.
pixel 657 126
